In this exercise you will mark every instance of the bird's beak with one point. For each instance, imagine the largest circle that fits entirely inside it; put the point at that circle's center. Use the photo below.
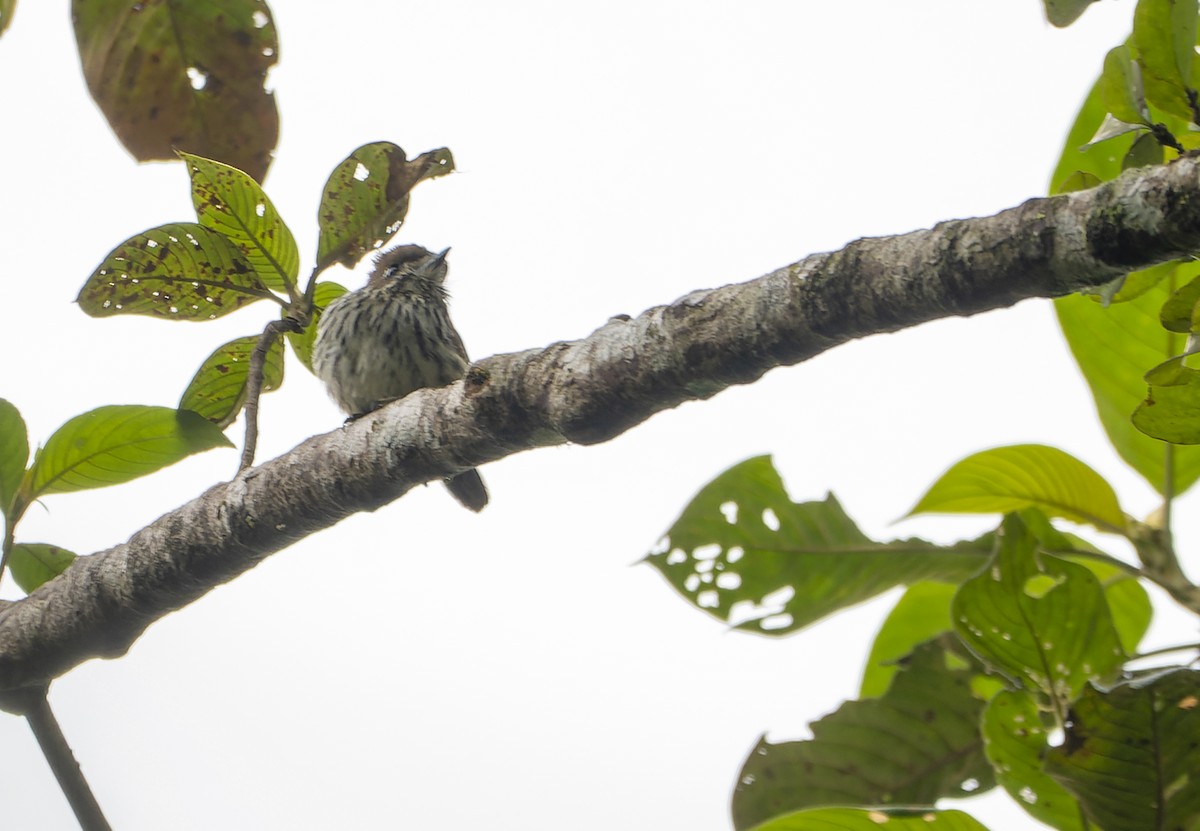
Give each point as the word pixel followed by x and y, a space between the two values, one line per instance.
pixel 440 257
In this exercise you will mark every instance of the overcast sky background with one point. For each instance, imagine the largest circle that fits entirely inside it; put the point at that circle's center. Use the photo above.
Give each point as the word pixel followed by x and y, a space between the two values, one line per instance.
pixel 423 667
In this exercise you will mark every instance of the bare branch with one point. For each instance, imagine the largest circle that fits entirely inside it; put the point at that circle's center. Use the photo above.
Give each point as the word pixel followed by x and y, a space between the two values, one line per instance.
pixel 590 390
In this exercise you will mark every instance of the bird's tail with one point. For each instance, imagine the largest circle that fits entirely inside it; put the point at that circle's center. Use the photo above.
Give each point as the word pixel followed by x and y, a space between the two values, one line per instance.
pixel 468 488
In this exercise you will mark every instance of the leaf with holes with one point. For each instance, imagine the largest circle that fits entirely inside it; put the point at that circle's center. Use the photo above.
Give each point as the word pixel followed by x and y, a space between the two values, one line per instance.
pixel 366 198
pixel 1016 739
pixel 14 453
pixel 183 76
pixel 1037 618
pixel 35 563
pixel 919 743
pixel 231 203
pixel 1130 753
pixel 182 271
pixel 1128 603
pixel 116 444
pixel 1022 476
pixel 218 389
pixel 743 552
pixel 302 342
pixel 872 819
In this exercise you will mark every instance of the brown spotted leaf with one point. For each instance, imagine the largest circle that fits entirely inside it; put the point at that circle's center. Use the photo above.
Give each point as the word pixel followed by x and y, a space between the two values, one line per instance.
pixel 183 75
pixel 181 271
pixel 218 389
pixel 366 197
pixel 229 201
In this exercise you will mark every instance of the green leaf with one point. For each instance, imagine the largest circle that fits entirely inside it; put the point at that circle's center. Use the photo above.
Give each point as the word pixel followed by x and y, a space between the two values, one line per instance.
pixel 302 342
pixel 14 453
pixel 1128 602
pixel 1065 12
pixel 1145 152
pixel 1130 753
pixel 918 743
pixel 1171 411
pixel 181 271
pixel 1039 619
pixel 1164 35
pixel 116 444
pixel 922 613
pixel 231 203
pixel 33 564
pixel 1114 347
pixel 7 8
pixel 366 198
pixel 1121 86
pixel 180 75
pixel 743 552
pixel 1102 161
pixel 218 389
pixel 1025 475
pixel 1136 283
pixel 1178 314
pixel 1015 740
pixel 872 819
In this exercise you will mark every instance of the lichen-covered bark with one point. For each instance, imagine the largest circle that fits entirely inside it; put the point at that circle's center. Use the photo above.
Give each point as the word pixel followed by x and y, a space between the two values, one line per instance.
pixel 590 390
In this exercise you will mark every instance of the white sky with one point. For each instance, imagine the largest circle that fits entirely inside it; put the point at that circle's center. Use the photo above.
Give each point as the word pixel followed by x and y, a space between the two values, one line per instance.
pixel 426 668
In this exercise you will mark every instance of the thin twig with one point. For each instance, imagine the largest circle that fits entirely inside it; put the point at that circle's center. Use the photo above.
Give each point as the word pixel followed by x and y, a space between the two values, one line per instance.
pixel 254 383
pixel 58 754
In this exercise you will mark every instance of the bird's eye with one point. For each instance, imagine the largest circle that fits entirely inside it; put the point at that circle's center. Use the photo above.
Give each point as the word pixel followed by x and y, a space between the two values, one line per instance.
pixel 390 271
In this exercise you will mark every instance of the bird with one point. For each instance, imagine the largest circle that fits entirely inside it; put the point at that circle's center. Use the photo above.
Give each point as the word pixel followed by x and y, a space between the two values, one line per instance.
pixel 391 337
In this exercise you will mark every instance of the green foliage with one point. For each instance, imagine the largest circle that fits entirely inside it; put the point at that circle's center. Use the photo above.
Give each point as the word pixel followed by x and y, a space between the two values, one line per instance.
pixel 1169 411
pixel 1065 12
pixel 921 614
pixel 7 8
pixel 181 271
pixel 929 716
pixel 1042 621
pixel 181 75
pixel 1130 753
pixel 366 198
pixel 1024 476
pixel 14 453
pixel 1164 35
pixel 1016 735
pixel 107 446
pixel 1113 348
pixel 231 203
pixel 114 444
pixel 32 564
pixel 218 389
pixel 859 819
pixel 743 552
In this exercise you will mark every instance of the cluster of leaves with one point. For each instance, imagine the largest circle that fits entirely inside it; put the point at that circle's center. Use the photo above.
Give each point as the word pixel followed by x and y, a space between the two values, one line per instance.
pixel 1143 106
pixel 1007 660
pixel 106 446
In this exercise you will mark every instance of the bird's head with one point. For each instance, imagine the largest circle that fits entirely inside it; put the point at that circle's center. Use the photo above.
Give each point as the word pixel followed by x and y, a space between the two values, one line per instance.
pixel 405 261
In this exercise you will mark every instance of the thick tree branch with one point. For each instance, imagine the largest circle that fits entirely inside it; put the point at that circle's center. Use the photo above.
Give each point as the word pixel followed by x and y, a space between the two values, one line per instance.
pixel 593 389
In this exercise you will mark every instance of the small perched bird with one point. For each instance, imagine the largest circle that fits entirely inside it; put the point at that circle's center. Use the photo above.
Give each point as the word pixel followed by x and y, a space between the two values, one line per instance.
pixel 391 337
